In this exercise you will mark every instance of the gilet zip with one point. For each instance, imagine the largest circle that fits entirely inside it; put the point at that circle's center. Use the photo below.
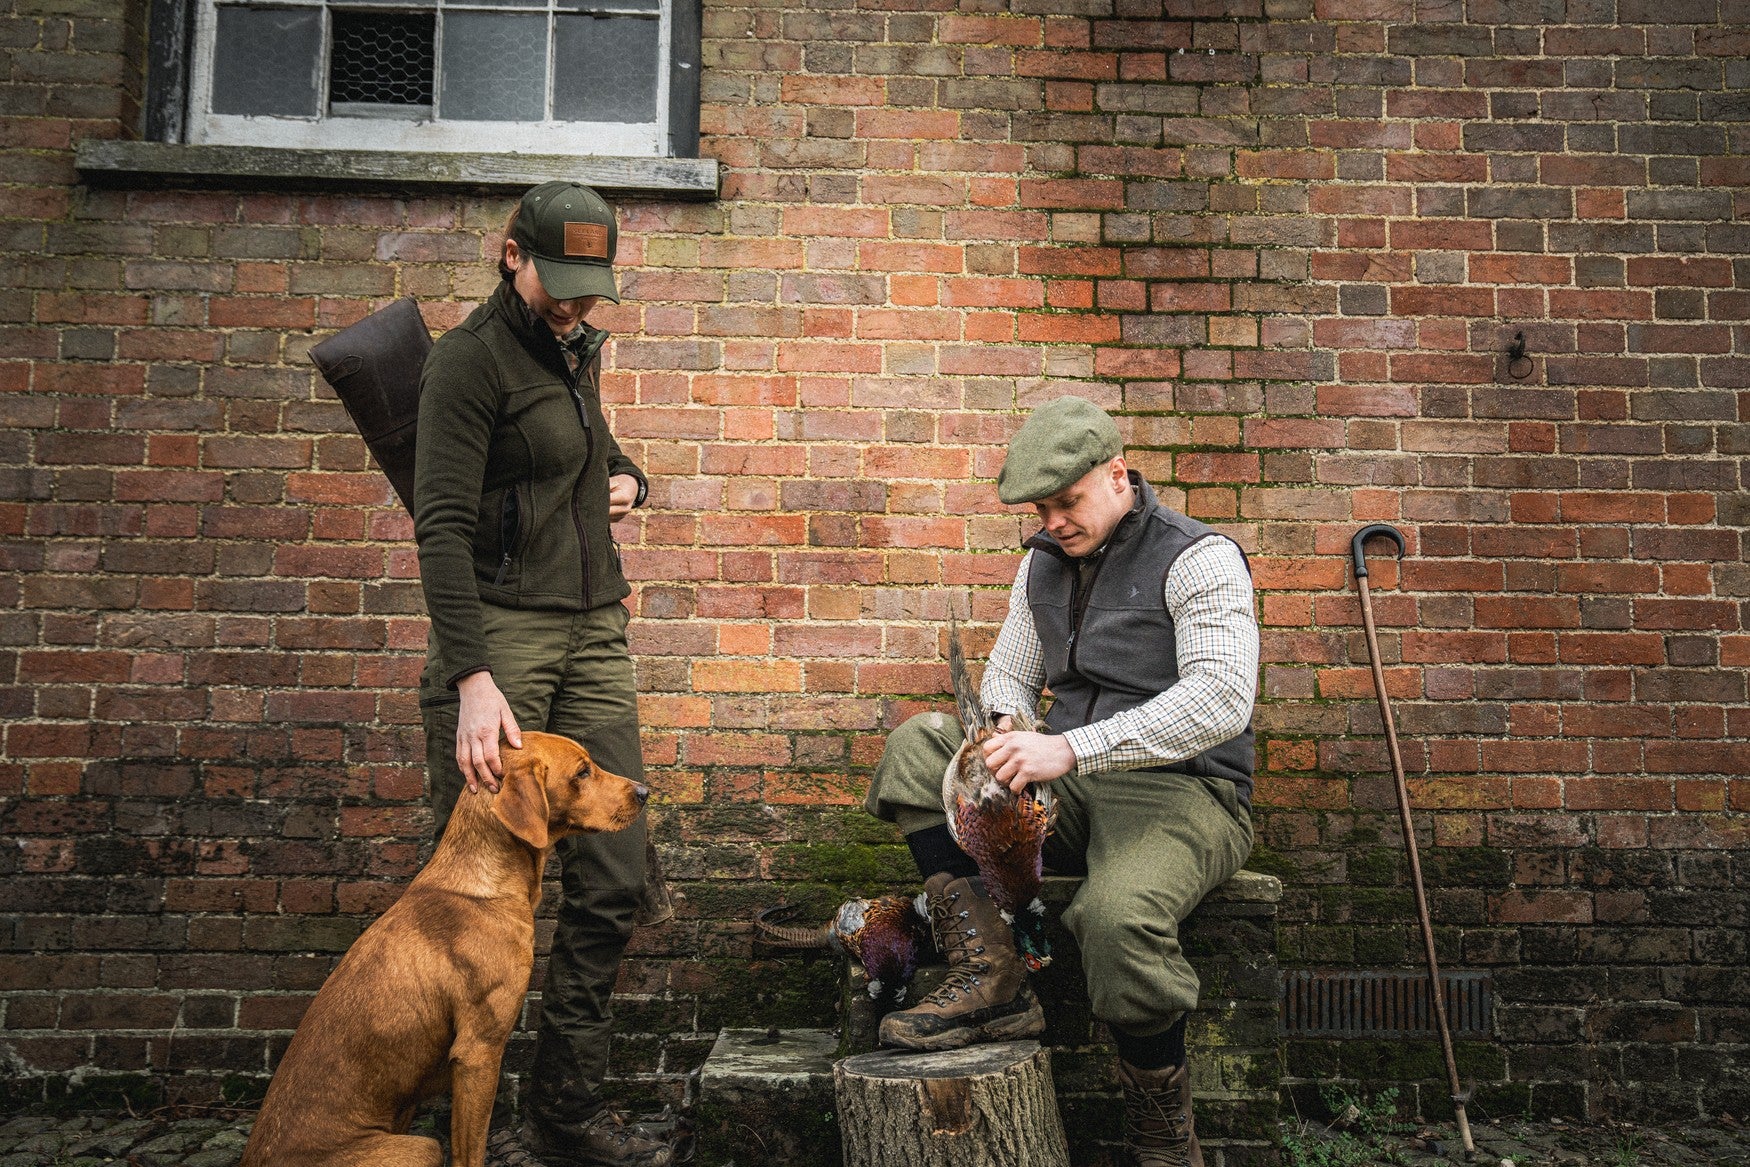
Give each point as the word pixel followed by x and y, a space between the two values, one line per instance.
pixel 1079 598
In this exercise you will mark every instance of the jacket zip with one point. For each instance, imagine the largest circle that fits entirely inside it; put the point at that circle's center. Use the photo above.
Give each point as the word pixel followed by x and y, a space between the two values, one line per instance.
pixel 588 453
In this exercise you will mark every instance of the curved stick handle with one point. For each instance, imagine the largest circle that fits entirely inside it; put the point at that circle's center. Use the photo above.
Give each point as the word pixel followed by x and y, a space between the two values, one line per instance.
pixel 1357 550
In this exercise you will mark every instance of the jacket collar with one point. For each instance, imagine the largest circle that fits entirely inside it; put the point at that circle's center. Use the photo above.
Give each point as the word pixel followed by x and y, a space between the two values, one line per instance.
pixel 1142 504
pixel 529 328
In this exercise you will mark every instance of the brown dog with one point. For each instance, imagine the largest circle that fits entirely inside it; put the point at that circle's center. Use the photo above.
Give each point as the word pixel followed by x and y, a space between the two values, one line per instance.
pixel 428 996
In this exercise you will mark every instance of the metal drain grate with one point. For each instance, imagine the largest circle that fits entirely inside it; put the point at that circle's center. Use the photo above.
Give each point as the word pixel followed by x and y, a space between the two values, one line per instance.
pixel 1383 1004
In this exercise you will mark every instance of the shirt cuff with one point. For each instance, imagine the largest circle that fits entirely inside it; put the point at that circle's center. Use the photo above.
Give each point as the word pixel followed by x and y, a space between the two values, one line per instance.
pixel 1093 753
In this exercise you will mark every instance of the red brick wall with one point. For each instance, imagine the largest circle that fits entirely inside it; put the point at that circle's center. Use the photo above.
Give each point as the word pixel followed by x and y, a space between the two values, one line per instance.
pixel 1289 242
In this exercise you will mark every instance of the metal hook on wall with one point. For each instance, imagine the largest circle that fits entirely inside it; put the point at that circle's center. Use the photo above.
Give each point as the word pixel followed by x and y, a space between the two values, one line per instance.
pixel 1518 364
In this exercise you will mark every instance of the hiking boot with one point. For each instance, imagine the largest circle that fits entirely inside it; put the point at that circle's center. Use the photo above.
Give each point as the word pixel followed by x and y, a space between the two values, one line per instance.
pixel 985 996
pixel 602 1140
pixel 667 1126
pixel 504 1148
pixel 1158 1129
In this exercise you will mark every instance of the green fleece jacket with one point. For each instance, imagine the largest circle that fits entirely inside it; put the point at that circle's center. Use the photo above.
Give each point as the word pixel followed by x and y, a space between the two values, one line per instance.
pixel 510 492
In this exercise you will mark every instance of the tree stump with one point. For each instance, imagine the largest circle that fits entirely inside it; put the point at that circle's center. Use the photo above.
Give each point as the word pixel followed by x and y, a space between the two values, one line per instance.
pixel 983 1106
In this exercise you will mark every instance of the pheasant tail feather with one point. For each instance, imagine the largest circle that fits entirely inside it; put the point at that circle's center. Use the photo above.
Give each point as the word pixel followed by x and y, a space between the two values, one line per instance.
pixel 972 712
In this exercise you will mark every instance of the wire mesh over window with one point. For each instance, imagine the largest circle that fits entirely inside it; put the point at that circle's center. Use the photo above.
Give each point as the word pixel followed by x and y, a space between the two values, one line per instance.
pixel 605 69
pixel 382 59
pixel 495 66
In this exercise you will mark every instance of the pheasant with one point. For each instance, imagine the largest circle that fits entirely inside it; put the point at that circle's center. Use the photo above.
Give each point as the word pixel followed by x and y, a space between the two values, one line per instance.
pixel 886 935
pixel 1003 832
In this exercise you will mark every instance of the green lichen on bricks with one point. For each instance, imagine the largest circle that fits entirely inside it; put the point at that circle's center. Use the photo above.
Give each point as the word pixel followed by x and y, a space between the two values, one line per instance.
pixel 1467 867
pixel 1368 904
pixel 1269 861
pixel 855 866
pixel 1375 868
pixel 130 1092
pixel 847 827
pixel 790 994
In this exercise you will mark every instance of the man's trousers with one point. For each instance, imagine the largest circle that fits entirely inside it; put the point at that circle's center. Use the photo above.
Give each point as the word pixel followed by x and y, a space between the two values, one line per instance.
pixel 1150 844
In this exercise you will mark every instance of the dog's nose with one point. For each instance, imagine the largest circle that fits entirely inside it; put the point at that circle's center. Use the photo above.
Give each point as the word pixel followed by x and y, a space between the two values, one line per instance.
pixel 642 791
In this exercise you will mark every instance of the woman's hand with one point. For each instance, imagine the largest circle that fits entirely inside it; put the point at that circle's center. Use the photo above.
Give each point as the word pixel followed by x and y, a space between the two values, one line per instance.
pixel 484 714
pixel 622 493
pixel 1019 758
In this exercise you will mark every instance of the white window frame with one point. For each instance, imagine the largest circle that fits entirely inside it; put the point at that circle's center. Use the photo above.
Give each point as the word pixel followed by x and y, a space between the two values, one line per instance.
pixel 392 132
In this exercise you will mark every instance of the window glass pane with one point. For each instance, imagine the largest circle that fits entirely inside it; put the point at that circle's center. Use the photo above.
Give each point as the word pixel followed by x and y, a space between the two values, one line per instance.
pixel 494 67
pixel 651 6
pixel 382 58
pixel 604 69
pixel 267 61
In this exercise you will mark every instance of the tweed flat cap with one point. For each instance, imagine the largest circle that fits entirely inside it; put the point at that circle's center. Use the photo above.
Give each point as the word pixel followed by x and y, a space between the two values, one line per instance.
pixel 1056 446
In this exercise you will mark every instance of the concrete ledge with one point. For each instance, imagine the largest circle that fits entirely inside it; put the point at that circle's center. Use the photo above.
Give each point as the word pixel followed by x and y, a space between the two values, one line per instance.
pixel 115 163
pixel 1246 887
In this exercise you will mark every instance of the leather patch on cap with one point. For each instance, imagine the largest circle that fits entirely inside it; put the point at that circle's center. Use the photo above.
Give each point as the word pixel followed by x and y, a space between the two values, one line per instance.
pixel 586 240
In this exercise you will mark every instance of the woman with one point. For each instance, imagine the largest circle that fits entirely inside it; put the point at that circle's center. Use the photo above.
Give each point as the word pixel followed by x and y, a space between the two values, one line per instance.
pixel 517 480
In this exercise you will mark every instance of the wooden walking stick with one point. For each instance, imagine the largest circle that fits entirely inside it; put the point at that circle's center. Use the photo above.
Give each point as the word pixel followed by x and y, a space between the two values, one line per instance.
pixel 1358 552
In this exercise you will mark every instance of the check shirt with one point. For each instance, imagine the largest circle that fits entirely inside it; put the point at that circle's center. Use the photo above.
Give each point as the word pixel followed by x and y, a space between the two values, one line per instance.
pixel 1208 593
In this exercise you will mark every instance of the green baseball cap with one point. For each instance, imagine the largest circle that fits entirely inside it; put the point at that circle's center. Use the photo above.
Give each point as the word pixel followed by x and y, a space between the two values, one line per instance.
pixel 569 231
pixel 1055 448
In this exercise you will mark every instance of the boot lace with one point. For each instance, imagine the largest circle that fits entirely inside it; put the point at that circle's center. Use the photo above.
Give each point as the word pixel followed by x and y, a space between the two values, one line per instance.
pixel 505 1149
pixel 1155 1135
pixel 613 1124
pixel 955 935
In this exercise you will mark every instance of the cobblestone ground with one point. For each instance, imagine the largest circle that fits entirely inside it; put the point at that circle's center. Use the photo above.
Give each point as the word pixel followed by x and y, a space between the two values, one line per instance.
pixel 215 1138
pixel 152 1140
pixel 1560 1144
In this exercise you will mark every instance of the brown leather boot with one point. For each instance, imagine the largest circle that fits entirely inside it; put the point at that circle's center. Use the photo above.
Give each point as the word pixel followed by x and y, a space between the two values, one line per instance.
pixel 1158 1128
pixel 602 1140
pixel 985 996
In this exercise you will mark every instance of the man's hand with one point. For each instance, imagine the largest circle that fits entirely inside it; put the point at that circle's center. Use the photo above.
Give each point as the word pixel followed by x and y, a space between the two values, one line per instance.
pixel 1019 758
pixel 484 714
pixel 622 493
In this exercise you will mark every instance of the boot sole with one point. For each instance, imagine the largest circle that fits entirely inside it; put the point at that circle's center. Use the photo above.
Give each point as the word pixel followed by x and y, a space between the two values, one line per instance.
pixel 1011 1028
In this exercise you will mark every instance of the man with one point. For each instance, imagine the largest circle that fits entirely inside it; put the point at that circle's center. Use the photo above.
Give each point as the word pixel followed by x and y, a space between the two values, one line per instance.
pixel 517 482
pixel 1140 621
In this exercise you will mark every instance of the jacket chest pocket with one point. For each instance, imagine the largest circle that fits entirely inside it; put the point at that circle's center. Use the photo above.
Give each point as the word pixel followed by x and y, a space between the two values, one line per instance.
pixel 549 432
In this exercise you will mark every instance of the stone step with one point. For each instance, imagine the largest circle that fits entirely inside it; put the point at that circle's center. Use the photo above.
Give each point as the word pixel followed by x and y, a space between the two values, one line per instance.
pixel 765 1097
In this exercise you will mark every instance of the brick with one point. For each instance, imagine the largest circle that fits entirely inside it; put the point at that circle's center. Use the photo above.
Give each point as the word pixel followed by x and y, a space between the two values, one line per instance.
pixel 909 125
pixel 852 91
pixel 991 30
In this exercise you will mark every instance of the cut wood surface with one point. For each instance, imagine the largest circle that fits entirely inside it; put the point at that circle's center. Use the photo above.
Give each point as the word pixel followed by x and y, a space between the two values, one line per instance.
pixel 983 1106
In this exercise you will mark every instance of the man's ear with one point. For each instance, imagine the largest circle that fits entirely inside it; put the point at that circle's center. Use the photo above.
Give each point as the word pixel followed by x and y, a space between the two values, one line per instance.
pixel 1120 474
pixel 521 802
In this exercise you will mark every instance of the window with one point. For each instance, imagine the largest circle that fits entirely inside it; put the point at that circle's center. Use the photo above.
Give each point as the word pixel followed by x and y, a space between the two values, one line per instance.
pixel 537 77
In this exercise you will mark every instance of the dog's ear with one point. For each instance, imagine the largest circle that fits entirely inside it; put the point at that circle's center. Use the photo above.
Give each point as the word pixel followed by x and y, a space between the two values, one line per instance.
pixel 521 803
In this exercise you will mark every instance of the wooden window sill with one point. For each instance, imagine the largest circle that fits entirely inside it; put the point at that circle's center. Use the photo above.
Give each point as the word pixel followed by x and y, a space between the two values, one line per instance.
pixel 160 164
